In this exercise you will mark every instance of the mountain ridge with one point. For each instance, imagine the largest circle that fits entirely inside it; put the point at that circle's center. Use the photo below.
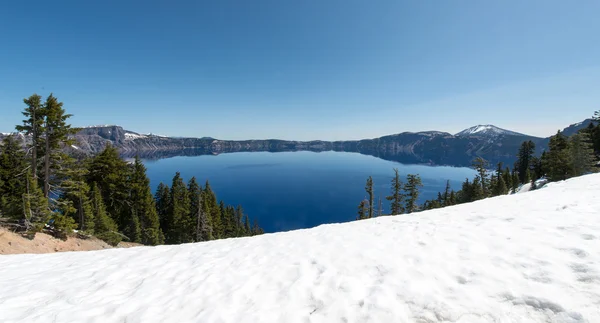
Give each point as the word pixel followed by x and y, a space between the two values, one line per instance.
pixel 426 147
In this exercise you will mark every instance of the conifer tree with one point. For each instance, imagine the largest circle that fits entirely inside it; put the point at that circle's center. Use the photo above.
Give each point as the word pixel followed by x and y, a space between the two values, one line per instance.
pixel 13 169
pixel 75 198
pixel 397 197
pixel 452 199
pixel 446 196
pixel 480 165
pixel 110 173
pixel 56 132
pixel 195 191
pixel 363 210
pixel 104 226
pixel 466 192
pixel 214 216
pixel 507 178
pixel 35 210
pixel 515 181
pixel 411 189
pixel 558 160
pixel 369 190
pixel 582 153
pixel 144 207
pixel 524 159
pixel 178 212
pixel 33 126
pixel 162 199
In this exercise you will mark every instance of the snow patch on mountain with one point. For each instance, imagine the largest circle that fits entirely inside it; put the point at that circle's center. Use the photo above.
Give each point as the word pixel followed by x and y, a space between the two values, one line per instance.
pixel 487 130
pixel 529 257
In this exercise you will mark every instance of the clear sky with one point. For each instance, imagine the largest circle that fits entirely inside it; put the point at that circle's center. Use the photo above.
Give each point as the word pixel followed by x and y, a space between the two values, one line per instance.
pixel 304 69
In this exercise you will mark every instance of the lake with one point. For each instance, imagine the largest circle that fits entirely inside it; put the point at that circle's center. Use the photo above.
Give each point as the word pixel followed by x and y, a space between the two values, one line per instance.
pixel 293 190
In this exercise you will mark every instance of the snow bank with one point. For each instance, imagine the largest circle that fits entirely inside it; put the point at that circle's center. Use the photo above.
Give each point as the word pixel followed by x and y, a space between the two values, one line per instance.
pixel 521 258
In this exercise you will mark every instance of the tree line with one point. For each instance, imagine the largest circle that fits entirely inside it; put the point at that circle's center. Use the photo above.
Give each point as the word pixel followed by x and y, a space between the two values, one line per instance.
pixel 44 188
pixel 565 157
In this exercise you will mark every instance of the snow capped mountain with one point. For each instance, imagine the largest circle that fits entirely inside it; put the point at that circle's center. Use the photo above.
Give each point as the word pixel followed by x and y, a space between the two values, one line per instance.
pixel 487 131
pixel 530 257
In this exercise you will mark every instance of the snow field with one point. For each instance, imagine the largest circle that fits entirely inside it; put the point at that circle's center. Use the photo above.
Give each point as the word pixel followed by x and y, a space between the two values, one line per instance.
pixel 530 257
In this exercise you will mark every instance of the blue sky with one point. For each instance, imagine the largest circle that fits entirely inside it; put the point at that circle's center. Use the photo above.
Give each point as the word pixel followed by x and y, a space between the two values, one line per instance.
pixel 311 69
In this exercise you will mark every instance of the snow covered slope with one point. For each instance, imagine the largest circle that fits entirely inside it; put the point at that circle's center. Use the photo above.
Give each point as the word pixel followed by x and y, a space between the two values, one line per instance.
pixel 487 131
pixel 531 257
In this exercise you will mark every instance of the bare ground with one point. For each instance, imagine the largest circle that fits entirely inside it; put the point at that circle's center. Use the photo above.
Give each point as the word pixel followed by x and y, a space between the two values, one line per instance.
pixel 14 243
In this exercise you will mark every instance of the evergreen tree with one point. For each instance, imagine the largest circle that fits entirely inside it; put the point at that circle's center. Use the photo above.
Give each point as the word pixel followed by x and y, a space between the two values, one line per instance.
pixel 178 212
pixel 480 165
pixel 75 197
pixel 477 192
pixel 411 189
pixel 162 199
pixel 397 198
pixel 195 192
pixel 446 196
pixel 214 216
pixel 36 210
pixel 104 226
pixel 466 192
pixel 33 126
pixel 582 153
pixel 145 215
pixel 369 190
pixel 507 178
pixel 13 184
pixel 363 210
pixel 515 181
pixel 110 173
pixel 452 199
pixel 558 160
pixel 56 133
pixel 524 160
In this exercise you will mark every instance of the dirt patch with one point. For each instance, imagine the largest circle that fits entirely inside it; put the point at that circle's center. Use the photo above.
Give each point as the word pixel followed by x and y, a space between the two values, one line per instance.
pixel 13 243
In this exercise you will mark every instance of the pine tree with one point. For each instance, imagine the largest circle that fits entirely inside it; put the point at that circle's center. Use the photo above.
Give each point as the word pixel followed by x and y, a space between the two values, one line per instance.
pixel 524 159
pixel 162 200
pixel 214 216
pixel 104 226
pixel 411 189
pixel 35 210
pixel 195 192
pixel 13 183
pixel 369 190
pixel 56 133
pixel 178 212
pixel 33 126
pixel 75 193
pixel 363 210
pixel 144 207
pixel 397 198
pixel 507 178
pixel 480 165
pixel 466 192
pixel 582 153
pixel 515 181
pixel 558 160
pixel 446 196
pixel 452 199
pixel 477 192
pixel 110 173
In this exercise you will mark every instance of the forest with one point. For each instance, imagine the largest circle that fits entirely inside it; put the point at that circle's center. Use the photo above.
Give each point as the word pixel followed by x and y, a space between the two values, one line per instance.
pixel 42 188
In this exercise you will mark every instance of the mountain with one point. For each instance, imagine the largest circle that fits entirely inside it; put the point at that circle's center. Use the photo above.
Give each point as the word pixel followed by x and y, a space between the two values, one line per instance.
pixel 427 147
pixel 529 257
pixel 487 131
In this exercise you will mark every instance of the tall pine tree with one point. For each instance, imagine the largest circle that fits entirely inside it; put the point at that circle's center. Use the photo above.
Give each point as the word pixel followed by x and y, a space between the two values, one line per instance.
pixel 397 197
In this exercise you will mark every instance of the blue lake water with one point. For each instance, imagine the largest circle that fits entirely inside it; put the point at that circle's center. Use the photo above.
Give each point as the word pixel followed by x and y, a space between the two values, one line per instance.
pixel 292 190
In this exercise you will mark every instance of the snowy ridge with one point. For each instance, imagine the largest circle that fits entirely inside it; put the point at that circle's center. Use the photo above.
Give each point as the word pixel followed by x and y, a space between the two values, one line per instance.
pixel 487 130
pixel 529 257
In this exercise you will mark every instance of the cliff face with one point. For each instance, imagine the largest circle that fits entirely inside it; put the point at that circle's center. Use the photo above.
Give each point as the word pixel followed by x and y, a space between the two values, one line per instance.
pixel 435 148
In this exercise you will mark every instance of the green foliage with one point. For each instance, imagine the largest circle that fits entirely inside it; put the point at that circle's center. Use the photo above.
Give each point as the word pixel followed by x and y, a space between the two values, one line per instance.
pixel 13 185
pixel 145 218
pixel 582 153
pixel 63 225
pixel 363 210
pixel 411 191
pixel 557 161
pixel 178 212
pixel 104 226
pixel 524 160
pixel 481 165
pixel 33 126
pixel 397 198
